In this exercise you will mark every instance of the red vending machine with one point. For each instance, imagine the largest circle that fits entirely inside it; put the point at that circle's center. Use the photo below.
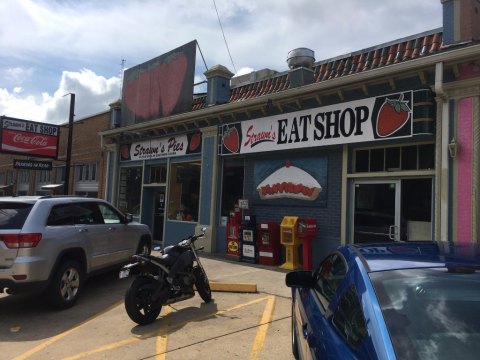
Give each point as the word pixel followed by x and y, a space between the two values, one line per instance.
pixel 268 243
pixel 307 231
pixel 233 235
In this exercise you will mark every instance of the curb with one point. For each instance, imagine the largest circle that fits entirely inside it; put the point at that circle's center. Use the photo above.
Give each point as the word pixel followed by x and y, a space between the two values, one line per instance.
pixel 233 287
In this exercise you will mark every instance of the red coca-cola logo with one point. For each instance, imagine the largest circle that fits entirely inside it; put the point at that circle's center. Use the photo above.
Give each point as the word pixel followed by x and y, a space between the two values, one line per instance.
pixel 32 140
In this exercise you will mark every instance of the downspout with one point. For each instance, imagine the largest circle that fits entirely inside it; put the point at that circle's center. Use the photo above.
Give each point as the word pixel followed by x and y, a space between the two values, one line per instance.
pixel 441 158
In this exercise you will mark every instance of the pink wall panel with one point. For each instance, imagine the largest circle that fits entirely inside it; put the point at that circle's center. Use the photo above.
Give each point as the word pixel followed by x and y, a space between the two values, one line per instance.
pixel 464 170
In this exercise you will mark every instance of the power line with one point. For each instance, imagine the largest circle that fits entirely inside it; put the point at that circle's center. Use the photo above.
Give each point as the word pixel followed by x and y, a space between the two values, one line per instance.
pixel 224 38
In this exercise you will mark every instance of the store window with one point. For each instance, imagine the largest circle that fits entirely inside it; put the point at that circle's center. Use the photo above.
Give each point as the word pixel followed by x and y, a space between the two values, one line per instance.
pixel 184 191
pixel 60 175
pixel 232 184
pixel 42 178
pixel 23 182
pixel 396 158
pixel 130 190
pixel 158 174
pixel 86 172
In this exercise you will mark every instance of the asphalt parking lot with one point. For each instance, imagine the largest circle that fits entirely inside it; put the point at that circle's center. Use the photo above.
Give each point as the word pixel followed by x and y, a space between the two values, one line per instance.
pixel 235 325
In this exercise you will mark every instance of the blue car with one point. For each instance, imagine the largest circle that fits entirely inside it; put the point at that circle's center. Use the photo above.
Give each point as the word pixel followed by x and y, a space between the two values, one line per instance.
pixel 389 301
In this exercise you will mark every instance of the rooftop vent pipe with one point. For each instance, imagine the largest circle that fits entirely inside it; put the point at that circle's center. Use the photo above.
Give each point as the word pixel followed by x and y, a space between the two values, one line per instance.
pixel 300 61
pixel 301 57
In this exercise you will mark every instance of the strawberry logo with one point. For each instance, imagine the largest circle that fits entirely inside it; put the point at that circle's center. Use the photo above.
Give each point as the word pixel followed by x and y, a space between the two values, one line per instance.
pixel 195 141
pixel 125 152
pixel 231 139
pixel 393 114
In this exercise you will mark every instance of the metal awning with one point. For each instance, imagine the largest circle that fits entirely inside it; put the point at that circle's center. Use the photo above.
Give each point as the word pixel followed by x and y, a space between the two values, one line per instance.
pixel 51 186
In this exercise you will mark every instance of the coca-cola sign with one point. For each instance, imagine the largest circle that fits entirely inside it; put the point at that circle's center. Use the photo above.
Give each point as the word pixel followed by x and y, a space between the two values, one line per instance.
pixel 29 138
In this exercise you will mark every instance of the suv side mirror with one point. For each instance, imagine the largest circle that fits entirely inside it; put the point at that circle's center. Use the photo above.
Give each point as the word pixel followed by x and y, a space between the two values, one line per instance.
pixel 128 218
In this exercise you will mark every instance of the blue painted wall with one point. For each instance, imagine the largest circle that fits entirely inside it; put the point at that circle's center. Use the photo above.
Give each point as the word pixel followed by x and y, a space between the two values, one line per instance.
pixel 208 156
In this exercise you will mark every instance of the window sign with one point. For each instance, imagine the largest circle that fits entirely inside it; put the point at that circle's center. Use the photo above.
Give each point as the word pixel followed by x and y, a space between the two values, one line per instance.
pixel 243 204
pixel 156 148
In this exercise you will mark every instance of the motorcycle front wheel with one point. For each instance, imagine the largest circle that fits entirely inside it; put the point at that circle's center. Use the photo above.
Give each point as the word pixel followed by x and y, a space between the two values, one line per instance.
pixel 138 301
pixel 202 284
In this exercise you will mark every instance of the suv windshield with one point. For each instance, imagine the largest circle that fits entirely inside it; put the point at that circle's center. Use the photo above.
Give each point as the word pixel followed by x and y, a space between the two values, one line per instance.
pixel 13 215
pixel 431 313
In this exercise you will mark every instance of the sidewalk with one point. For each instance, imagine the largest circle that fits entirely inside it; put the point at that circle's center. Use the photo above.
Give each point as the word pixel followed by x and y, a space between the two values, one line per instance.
pixel 269 279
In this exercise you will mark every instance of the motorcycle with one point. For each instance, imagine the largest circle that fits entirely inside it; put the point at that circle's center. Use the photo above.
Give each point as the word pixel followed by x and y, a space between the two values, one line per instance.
pixel 150 290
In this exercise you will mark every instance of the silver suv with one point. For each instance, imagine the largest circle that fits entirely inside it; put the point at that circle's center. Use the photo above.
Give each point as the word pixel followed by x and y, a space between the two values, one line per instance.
pixel 52 244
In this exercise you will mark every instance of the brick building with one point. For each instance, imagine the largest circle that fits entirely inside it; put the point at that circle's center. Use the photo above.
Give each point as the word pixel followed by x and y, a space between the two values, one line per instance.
pixel 378 144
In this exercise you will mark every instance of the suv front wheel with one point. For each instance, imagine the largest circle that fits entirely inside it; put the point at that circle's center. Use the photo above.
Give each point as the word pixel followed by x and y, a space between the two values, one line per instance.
pixel 66 284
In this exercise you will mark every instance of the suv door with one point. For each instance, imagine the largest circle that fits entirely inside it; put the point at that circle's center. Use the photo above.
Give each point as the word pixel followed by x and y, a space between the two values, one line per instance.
pixel 81 225
pixel 123 240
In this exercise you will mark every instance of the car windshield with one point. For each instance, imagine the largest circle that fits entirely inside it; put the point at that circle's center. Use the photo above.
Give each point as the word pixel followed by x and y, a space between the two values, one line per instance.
pixel 431 313
pixel 13 215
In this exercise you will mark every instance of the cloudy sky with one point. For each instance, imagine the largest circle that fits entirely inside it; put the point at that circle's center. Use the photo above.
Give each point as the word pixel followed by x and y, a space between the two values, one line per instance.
pixel 49 48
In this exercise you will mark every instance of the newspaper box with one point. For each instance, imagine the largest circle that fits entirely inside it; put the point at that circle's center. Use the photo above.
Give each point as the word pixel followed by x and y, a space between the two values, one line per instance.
pixel 290 240
pixel 268 243
pixel 307 231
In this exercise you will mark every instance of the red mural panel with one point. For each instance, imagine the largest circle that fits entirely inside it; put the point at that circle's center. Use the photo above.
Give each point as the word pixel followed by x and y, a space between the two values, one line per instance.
pixel 159 87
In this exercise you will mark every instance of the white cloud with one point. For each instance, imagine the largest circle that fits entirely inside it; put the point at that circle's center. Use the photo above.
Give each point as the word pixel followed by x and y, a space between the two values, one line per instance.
pixel 62 39
pixel 93 93
pixel 18 74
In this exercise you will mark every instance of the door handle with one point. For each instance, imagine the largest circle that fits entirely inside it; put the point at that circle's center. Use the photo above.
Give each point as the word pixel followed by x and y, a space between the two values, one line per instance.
pixel 393 232
pixel 82 230
pixel 305 330
pixel 111 229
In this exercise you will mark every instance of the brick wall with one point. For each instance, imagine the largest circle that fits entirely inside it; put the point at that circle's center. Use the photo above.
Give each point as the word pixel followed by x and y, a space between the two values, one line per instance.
pixel 328 218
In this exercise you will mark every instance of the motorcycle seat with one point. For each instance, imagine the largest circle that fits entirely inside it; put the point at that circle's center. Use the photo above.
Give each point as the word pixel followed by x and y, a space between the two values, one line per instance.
pixel 165 259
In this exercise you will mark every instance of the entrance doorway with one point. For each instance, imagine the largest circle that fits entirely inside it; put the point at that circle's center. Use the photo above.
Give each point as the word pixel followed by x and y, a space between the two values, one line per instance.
pixel 392 210
pixel 158 214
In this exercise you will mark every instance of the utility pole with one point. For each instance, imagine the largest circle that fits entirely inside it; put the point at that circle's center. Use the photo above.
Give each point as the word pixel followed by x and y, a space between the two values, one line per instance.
pixel 69 144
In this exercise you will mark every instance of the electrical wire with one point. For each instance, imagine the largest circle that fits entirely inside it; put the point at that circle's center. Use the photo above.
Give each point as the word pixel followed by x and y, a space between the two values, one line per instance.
pixel 224 38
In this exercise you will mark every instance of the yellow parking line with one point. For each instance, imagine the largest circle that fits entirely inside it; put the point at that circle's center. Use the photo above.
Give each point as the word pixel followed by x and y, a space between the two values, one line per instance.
pixel 54 339
pixel 262 329
pixel 161 346
pixel 162 339
pixel 102 349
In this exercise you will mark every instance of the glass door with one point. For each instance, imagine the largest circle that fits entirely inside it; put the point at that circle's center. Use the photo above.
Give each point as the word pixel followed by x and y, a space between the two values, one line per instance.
pixel 376 211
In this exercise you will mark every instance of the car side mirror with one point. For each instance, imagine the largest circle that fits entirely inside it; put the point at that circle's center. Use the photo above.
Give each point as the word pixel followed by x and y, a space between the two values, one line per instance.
pixel 128 218
pixel 301 279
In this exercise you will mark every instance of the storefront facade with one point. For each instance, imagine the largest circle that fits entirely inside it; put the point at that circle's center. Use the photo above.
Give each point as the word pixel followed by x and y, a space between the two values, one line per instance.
pixel 380 144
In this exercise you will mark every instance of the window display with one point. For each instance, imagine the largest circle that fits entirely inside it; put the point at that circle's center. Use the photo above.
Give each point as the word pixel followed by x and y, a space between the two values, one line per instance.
pixel 130 189
pixel 232 184
pixel 184 191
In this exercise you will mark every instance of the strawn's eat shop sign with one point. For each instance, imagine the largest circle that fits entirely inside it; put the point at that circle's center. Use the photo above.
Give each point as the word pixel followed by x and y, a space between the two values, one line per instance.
pixel 29 138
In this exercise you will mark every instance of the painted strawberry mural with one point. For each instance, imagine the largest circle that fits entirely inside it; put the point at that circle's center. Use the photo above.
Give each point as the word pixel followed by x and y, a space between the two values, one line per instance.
pixel 393 115
pixel 157 92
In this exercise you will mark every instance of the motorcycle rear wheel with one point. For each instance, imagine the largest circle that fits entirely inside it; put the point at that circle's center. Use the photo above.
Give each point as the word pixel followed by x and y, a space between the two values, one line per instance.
pixel 138 301
pixel 202 284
